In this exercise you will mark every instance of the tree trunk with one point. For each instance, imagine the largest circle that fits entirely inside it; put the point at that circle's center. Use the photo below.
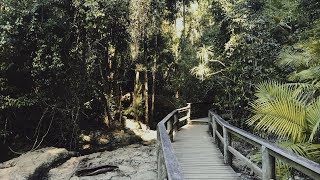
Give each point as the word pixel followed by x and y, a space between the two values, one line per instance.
pixel 184 19
pixel 105 88
pixel 153 89
pixel 156 21
pixel 120 108
pixel 146 96
pixel 136 95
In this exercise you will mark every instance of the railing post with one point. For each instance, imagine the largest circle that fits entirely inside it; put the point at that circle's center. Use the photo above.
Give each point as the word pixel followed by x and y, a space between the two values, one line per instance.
pixel 161 169
pixel 268 165
pixel 209 122
pixel 159 159
pixel 175 123
pixel 189 113
pixel 214 129
pixel 226 142
pixel 170 128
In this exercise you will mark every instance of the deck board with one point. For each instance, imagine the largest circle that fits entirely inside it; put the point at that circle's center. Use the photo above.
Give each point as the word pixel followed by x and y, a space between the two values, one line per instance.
pixel 198 156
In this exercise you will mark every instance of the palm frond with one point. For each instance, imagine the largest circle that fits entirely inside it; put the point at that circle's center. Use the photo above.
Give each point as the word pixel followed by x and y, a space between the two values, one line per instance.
pixel 305 149
pixel 205 53
pixel 313 116
pixel 280 110
pixel 295 58
pixel 312 73
pixel 201 71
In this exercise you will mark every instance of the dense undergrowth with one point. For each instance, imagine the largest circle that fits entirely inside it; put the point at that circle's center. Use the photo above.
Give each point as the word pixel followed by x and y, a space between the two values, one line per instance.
pixel 73 66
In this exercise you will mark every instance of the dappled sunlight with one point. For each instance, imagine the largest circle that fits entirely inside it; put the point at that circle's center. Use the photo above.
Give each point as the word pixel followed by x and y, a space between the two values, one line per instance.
pixel 141 130
pixel 179 27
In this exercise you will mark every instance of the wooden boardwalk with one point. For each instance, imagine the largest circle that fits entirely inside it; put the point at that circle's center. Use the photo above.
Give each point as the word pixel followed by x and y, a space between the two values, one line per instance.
pixel 198 156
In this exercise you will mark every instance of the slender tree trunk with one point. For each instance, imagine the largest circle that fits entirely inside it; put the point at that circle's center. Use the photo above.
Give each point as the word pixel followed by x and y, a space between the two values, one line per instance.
pixel 184 19
pixel 146 96
pixel 136 94
pixel 153 89
pixel 104 66
pixel 154 67
pixel 120 108
pixel 146 88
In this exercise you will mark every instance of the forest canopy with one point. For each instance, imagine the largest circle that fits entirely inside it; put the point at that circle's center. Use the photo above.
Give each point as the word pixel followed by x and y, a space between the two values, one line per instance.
pixel 73 65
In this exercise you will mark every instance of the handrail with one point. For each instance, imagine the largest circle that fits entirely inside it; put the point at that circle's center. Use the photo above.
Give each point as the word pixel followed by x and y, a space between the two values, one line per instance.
pixel 269 150
pixel 168 165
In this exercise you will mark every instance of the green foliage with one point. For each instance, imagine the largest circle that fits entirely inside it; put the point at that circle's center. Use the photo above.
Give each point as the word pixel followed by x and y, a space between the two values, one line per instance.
pixel 55 65
pixel 290 113
pixel 281 110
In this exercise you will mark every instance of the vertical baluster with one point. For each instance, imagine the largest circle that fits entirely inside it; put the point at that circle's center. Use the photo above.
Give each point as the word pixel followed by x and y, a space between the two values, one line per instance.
pixel 227 156
pixel 189 113
pixel 159 159
pixel 175 123
pixel 170 129
pixel 214 129
pixel 268 165
pixel 209 122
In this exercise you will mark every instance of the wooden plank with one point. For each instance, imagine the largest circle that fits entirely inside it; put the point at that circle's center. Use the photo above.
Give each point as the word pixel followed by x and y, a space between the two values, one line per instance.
pixel 268 165
pixel 300 163
pixel 199 158
pixel 183 118
pixel 219 136
pixel 168 165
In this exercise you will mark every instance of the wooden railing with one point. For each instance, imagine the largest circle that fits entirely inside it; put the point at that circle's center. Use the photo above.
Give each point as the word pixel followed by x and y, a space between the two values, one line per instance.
pixel 168 165
pixel 269 151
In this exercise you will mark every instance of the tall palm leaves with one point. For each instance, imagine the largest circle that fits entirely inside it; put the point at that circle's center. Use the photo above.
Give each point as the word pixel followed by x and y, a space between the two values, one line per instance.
pixel 286 111
pixel 304 57
pixel 290 113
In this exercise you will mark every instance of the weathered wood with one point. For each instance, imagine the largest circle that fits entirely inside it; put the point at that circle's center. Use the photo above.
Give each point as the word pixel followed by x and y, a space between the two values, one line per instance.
pixel 183 109
pixel 268 165
pixel 175 124
pixel 184 118
pixel 247 161
pixel 166 153
pixel 308 167
pixel 189 113
pixel 226 142
pixel 214 129
pixel 210 123
pixel 161 174
pixel 219 136
pixel 171 163
pixel 170 129
pixel 198 156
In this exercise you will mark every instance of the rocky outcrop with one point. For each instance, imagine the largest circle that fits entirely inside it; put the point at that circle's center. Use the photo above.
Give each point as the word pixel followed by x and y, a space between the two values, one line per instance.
pixel 33 165
pixel 137 161
pixel 132 162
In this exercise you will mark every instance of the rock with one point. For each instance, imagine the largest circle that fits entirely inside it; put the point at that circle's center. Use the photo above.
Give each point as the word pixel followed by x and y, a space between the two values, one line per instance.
pixel 66 170
pixel 134 162
pixel 146 175
pixel 33 165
